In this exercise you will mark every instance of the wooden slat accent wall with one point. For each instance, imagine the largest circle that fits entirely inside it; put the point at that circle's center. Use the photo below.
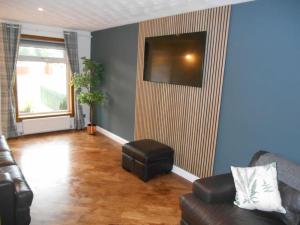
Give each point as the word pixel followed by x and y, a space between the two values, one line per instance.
pixel 185 118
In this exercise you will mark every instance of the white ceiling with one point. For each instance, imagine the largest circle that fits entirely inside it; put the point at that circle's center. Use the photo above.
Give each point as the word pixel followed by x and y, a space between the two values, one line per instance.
pixel 93 15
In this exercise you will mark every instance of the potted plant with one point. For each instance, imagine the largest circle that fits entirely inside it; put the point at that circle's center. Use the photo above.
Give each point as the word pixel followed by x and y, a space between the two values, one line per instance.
pixel 86 85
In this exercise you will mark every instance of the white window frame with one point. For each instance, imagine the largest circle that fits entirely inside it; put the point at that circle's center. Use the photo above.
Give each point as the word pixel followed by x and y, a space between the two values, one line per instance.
pixel 70 106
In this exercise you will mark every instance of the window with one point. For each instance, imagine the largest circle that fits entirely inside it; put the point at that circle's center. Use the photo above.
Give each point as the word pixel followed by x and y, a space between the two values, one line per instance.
pixel 43 78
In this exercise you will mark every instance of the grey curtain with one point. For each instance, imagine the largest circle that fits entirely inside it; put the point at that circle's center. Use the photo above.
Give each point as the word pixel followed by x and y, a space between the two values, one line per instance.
pixel 71 45
pixel 10 37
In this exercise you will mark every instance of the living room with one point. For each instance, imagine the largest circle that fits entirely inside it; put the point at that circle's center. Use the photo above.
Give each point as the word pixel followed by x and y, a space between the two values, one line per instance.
pixel 150 112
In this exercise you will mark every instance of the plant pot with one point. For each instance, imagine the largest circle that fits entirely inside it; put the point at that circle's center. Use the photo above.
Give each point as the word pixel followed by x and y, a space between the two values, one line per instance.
pixel 91 129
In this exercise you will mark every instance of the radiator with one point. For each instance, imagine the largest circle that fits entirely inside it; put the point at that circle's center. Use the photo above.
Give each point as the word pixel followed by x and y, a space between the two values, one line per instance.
pixel 42 125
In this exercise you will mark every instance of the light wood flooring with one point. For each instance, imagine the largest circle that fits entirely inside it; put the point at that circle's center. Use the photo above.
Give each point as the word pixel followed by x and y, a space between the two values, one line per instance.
pixel 77 179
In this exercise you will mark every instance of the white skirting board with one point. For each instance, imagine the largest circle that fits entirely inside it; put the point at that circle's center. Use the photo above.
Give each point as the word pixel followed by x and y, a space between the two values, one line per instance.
pixel 180 172
pixel 112 136
pixel 185 174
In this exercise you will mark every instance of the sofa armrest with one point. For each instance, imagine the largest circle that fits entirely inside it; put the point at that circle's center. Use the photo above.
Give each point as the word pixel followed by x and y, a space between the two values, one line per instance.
pixel 7 196
pixel 215 189
pixel 6 183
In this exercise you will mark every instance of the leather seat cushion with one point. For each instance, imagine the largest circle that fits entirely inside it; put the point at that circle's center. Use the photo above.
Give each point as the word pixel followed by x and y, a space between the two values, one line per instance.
pixel 197 212
pixel 147 150
pixel 24 195
pixel 6 159
pixel 3 144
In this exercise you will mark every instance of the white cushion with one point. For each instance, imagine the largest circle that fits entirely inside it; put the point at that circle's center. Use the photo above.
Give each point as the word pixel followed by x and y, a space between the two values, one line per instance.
pixel 257 188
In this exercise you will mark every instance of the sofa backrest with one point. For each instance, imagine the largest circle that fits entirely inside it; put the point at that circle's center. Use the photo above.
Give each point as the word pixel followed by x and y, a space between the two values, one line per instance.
pixel 288 171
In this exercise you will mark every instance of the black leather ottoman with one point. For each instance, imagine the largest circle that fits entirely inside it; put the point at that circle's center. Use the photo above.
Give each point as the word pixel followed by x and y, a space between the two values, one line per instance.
pixel 147 158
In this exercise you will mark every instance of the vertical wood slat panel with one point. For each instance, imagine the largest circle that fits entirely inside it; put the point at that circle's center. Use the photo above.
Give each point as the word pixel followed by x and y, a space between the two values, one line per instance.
pixel 185 118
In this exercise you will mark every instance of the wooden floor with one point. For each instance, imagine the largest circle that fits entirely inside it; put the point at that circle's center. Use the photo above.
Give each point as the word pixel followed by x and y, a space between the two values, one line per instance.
pixel 77 179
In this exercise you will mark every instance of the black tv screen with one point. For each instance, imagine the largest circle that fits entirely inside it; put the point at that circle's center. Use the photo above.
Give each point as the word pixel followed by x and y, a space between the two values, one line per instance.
pixel 175 59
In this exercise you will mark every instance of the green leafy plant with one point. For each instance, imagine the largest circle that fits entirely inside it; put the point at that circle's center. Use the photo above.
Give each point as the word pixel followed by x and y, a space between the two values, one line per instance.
pixel 87 83
pixel 27 108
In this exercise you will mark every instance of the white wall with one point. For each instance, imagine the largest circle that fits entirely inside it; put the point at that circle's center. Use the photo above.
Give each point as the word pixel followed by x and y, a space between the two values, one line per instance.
pixel 84 49
pixel 84 46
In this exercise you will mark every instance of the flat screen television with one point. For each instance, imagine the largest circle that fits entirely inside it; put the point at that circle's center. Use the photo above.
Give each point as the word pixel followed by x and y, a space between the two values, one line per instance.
pixel 175 59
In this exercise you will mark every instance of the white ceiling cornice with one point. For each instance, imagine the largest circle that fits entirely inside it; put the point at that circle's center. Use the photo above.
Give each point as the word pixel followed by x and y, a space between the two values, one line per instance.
pixel 93 15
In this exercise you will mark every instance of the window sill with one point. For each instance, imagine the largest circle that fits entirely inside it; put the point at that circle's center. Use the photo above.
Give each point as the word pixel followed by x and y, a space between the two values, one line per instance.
pixel 37 116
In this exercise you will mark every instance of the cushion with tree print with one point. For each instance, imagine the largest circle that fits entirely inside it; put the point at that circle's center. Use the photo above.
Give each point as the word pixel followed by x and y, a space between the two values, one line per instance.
pixel 257 188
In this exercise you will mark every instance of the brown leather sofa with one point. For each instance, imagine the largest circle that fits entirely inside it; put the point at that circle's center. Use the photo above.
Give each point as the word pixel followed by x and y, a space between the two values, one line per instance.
pixel 211 201
pixel 15 194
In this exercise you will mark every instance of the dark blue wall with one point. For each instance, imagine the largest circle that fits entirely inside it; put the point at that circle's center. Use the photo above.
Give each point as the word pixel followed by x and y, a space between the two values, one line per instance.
pixel 261 94
pixel 116 48
pixel 260 106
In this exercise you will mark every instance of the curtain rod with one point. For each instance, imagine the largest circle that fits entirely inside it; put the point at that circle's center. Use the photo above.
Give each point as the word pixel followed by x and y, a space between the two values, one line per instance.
pixel 25 27
pixel 12 25
pixel 57 32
